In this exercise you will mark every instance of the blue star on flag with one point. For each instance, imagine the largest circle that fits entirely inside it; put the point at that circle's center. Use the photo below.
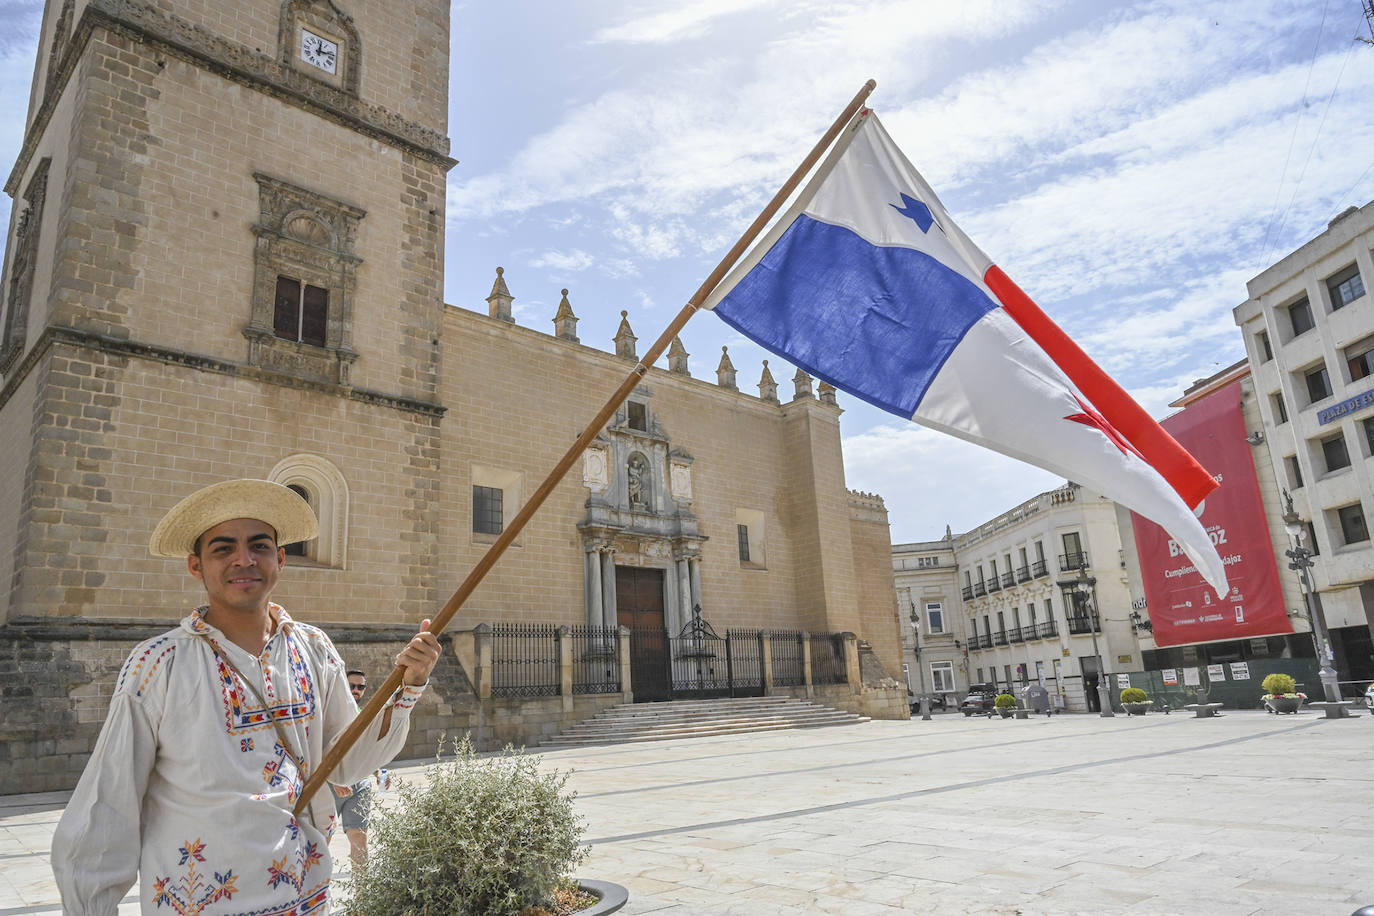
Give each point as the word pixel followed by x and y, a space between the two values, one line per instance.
pixel 915 211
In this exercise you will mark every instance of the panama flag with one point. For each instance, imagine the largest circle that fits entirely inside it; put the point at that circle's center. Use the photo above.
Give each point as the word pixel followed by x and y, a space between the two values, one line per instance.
pixel 867 283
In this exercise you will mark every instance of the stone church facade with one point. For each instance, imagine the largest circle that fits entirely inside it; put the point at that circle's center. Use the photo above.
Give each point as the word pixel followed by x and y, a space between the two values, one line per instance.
pixel 225 259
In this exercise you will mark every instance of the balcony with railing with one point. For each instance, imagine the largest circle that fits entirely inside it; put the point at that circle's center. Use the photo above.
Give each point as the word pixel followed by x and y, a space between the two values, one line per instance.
pixel 977 641
pixel 980 589
pixel 1072 562
pixel 1008 579
pixel 1081 624
pixel 1018 634
pixel 1023 574
pixel 994 585
pixel 1039 568
pixel 999 638
pixel 968 592
pixel 1045 630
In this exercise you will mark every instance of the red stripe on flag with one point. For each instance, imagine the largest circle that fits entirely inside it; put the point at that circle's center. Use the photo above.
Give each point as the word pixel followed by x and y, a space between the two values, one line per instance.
pixel 1189 479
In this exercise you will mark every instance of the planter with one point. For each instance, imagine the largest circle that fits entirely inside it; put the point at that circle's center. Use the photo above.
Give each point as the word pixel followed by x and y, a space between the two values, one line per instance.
pixel 1136 709
pixel 1285 705
pixel 1006 711
pixel 612 896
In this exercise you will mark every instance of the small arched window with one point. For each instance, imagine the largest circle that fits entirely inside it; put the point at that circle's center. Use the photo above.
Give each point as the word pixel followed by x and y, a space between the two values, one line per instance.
pixel 298 549
pixel 321 485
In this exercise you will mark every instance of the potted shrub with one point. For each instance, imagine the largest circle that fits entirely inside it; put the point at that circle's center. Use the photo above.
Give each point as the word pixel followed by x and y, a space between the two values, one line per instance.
pixel 1135 701
pixel 1281 694
pixel 484 836
pixel 1005 704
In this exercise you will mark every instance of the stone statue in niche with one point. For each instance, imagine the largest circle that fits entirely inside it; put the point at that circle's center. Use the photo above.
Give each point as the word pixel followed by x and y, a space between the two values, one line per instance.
pixel 637 479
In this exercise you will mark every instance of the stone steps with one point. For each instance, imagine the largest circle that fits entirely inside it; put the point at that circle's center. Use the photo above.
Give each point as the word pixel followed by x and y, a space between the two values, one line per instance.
pixel 634 722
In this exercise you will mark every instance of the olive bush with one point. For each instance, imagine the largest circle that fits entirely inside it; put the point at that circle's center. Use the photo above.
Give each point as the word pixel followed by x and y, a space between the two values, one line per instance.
pixel 484 837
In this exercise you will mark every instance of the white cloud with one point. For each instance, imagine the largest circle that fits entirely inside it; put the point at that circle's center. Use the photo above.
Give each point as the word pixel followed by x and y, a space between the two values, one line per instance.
pixel 934 480
pixel 567 261
pixel 686 20
pixel 19 24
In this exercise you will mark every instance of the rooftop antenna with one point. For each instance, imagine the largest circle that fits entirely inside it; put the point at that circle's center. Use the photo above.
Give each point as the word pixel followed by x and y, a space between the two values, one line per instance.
pixel 1369 20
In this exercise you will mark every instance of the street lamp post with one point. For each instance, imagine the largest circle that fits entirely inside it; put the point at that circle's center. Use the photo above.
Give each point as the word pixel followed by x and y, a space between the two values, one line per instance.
pixel 1085 586
pixel 916 651
pixel 1300 559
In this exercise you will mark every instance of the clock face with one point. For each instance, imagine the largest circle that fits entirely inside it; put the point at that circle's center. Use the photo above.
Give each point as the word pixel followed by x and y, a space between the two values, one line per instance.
pixel 320 52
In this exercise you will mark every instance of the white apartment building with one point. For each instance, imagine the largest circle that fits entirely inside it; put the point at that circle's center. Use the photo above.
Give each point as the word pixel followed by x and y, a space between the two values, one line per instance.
pixel 1019 617
pixel 1309 335
pixel 935 643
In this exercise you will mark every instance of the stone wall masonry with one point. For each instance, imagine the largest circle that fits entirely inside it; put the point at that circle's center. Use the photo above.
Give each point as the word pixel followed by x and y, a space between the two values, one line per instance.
pixel 877 593
pixel 16 414
pixel 122 439
pixel 523 395
pixel 818 507
pixel 155 171
pixel 404 42
pixel 56 681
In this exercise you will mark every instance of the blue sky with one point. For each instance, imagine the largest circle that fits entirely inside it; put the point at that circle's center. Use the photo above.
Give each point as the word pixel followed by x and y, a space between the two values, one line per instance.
pixel 1131 165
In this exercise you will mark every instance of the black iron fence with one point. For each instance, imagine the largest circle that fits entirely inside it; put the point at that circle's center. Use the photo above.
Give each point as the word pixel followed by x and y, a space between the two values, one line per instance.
pixel 827 659
pixel 786 651
pixel 524 660
pixel 595 664
pixel 528 660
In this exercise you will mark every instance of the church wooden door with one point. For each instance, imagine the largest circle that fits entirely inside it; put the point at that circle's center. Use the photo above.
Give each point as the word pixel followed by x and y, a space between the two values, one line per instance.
pixel 639 606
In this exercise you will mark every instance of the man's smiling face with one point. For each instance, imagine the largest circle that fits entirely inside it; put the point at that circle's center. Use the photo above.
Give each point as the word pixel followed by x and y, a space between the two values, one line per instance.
pixel 239 562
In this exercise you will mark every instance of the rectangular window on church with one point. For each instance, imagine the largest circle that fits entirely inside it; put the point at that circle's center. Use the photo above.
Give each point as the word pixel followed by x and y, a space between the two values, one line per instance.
pixel 301 312
pixel 487 510
pixel 752 539
pixel 638 415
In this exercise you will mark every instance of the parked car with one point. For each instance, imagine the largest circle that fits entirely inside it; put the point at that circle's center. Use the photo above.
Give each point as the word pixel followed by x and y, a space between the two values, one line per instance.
pixel 1369 698
pixel 979 700
pixel 913 700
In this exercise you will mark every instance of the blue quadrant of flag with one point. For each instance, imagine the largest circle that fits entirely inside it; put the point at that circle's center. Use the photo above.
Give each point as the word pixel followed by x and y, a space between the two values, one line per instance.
pixel 875 321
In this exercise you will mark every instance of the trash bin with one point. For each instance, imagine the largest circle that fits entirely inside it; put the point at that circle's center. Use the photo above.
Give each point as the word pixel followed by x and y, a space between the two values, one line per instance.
pixel 1036 698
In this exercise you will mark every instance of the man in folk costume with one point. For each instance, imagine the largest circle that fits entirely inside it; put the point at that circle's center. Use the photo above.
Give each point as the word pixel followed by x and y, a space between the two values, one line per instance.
pixel 213 728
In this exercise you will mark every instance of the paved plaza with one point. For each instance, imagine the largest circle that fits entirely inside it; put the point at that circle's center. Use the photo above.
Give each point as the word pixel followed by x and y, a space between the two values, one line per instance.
pixel 1243 814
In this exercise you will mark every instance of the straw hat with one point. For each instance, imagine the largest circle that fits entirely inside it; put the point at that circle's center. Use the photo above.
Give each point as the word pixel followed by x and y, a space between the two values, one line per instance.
pixel 278 506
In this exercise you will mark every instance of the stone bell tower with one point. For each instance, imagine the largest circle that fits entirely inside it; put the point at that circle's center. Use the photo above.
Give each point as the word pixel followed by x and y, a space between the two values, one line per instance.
pixel 225 260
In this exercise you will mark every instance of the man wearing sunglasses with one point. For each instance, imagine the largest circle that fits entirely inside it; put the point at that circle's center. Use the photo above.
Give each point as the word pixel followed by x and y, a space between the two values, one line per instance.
pixel 354 803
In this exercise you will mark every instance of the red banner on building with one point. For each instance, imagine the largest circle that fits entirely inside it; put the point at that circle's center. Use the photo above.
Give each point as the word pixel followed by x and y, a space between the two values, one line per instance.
pixel 1183 608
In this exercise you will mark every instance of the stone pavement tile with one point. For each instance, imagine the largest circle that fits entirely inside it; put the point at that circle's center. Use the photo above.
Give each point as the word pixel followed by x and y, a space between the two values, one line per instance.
pixel 965 898
pixel 1095 897
pixel 1313 890
pixel 1214 903
pixel 781 892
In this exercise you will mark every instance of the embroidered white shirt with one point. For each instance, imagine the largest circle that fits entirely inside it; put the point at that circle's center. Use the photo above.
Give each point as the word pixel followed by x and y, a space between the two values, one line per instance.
pixel 189 761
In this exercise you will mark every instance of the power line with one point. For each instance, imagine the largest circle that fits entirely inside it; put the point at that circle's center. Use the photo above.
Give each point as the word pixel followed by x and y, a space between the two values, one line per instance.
pixel 1278 191
pixel 1297 184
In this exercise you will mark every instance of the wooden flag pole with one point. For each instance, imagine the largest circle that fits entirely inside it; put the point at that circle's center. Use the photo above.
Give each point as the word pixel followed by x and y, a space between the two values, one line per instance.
pixel 393 681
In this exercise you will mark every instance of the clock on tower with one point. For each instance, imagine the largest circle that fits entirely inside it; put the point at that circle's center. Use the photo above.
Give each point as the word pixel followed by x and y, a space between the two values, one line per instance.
pixel 319 51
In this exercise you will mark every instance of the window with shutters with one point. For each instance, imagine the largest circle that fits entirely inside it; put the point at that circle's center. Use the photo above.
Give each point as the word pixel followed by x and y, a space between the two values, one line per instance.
pixel 301 323
pixel 301 312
